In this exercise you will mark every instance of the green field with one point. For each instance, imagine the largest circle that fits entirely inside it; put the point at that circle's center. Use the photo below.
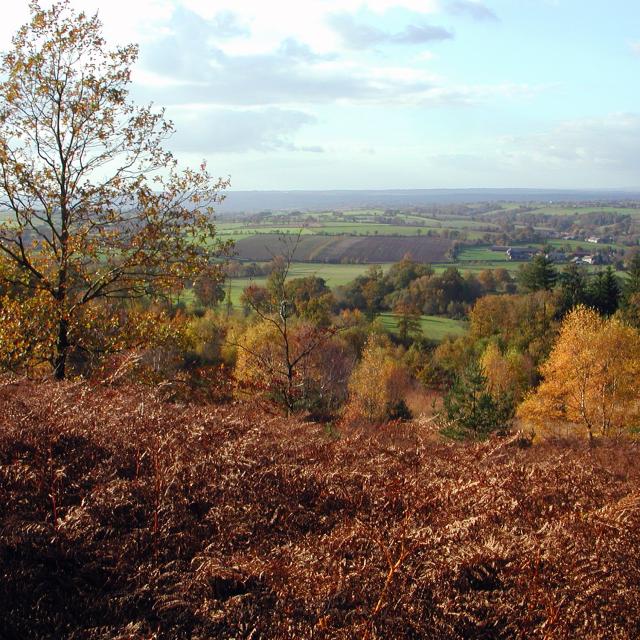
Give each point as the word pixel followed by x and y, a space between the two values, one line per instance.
pixel 332 236
pixel 580 210
pixel 586 246
pixel 331 228
pixel 365 222
pixel 433 327
pixel 482 254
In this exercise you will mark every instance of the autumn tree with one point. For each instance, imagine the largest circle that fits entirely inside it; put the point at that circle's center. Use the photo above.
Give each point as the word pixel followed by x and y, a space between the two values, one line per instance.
pixel 209 290
pixel 591 380
pixel 291 340
pixel 522 322
pixel 487 280
pixel 508 374
pixel 311 298
pixel 97 209
pixel 294 374
pixel 504 280
pixel 374 290
pixel 378 384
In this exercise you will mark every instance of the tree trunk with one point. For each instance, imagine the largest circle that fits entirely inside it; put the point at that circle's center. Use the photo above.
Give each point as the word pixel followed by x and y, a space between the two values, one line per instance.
pixel 62 348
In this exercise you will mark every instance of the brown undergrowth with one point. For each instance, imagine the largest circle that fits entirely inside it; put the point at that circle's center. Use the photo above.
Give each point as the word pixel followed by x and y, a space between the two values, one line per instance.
pixel 125 517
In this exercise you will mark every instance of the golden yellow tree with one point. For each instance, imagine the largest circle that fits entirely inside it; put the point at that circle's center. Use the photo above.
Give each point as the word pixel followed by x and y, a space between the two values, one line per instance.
pixel 591 381
pixel 508 374
pixel 94 208
pixel 378 384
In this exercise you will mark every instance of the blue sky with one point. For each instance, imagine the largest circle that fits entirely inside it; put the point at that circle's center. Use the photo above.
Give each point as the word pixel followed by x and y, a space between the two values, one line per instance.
pixel 338 94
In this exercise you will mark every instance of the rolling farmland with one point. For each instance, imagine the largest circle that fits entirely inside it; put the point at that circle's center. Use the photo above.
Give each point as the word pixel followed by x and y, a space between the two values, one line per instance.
pixel 340 245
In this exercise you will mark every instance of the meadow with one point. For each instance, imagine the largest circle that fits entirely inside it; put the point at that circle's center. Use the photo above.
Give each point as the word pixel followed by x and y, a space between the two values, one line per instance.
pixel 434 328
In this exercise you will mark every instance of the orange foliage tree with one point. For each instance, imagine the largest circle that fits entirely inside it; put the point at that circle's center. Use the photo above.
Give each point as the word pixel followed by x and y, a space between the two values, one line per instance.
pixel 591 379
pixel 524 322
pixel 97 208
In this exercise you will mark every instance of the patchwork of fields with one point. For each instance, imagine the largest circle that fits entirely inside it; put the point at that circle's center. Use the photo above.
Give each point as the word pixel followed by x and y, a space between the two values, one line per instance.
pixel 339 246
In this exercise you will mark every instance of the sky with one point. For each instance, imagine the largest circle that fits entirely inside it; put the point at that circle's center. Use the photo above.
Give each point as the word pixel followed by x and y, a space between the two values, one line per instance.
pixel 384 94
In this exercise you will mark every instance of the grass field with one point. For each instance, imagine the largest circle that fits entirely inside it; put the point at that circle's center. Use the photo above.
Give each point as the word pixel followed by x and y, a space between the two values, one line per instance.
pixel 331 228
pixel 360 236
pixel 587 246
pixel 433 327
pixel 361 223
pixel 581 210
pixel 481 254
pixel 340 274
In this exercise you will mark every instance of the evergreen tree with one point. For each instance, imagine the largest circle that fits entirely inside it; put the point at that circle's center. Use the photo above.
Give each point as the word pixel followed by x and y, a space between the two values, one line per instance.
pixel 632 285
pixel 630 302
pixel 604 292
pixel 538 275
pixel 573 288
pixel 471 409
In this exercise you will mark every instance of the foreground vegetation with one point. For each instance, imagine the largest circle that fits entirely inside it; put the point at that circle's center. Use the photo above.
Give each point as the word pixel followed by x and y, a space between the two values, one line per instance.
pixel 125 517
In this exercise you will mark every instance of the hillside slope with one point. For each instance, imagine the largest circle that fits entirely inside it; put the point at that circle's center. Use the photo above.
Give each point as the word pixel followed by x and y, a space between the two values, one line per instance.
pixel 123 517
pixel 337 249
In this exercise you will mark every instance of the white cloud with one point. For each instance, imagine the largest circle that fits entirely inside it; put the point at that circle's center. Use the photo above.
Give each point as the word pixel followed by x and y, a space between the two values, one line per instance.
pixel 206 129
pixel 188 66
pixel 306 20
pixel 472 9
pixel 360 35
pixel 608 142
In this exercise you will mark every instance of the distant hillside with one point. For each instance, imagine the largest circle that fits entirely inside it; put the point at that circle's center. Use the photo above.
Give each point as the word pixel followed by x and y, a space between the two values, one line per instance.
pixel 256 201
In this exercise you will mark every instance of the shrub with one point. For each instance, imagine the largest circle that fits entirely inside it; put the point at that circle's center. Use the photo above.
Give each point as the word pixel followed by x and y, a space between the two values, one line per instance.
pixel 317 382
pixel 378 384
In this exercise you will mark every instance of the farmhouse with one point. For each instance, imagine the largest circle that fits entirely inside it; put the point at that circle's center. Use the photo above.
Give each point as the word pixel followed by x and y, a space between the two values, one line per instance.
pixel 596 258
